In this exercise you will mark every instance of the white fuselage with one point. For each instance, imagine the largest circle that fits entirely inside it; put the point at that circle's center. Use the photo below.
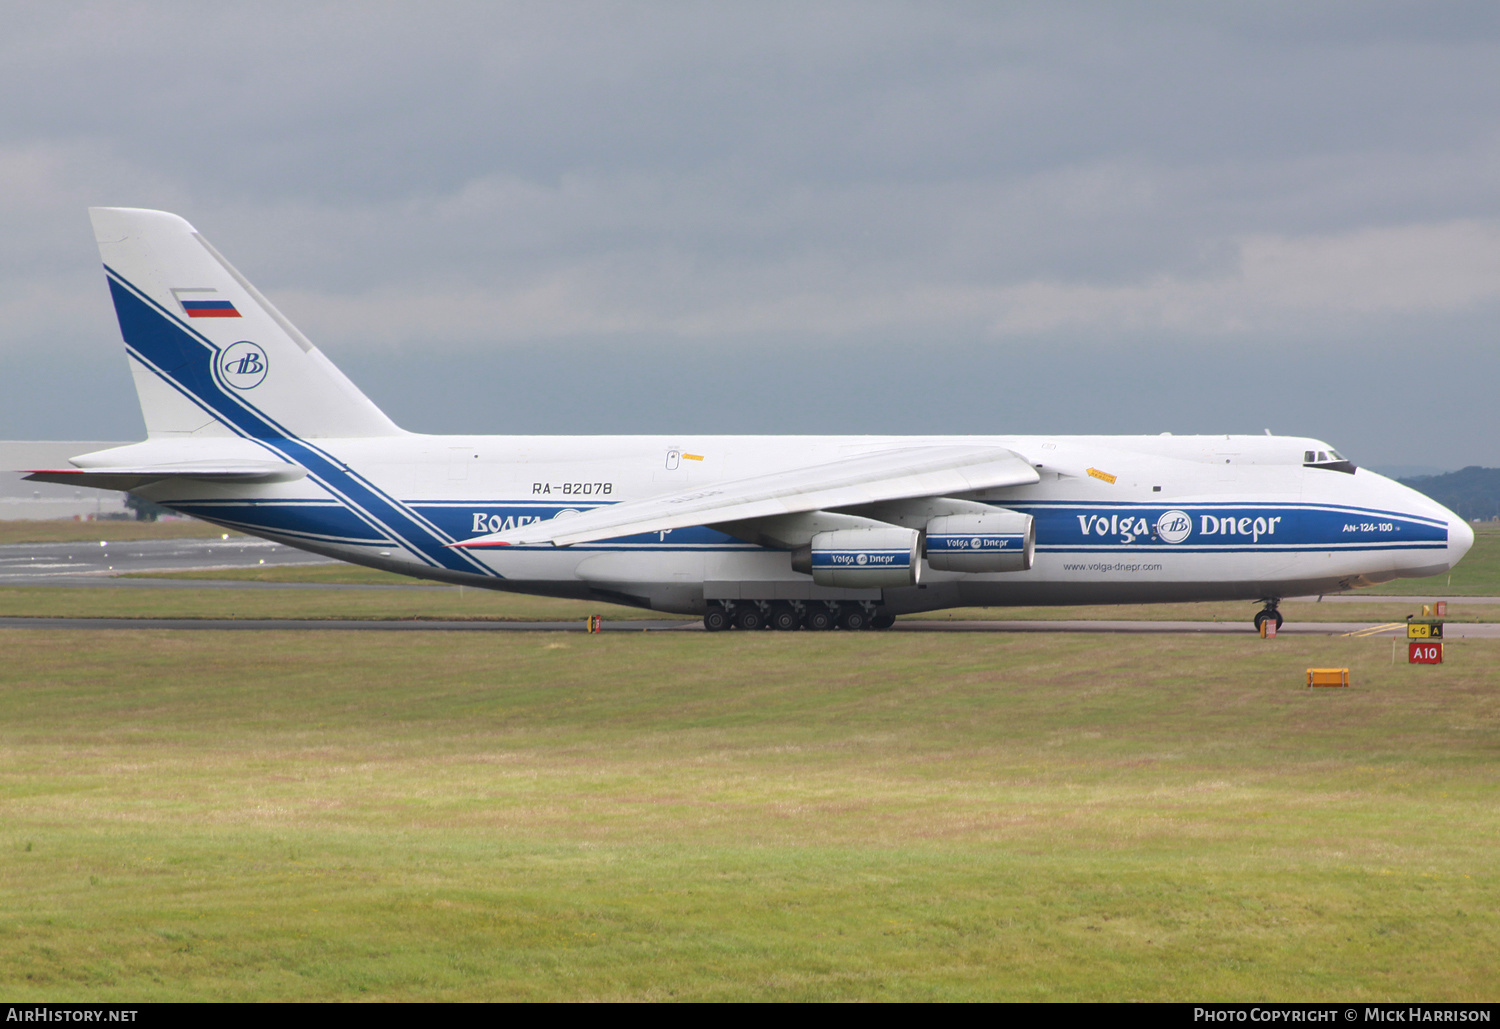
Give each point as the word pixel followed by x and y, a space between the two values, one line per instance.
pixel 1118 518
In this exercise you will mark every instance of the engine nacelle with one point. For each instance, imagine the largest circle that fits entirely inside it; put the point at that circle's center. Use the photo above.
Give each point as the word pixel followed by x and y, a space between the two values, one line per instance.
pixel 996 541
pixel 862 558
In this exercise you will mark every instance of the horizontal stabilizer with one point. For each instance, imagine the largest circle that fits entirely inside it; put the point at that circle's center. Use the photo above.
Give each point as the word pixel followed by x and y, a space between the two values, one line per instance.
pixel 887 475
pixel 134 478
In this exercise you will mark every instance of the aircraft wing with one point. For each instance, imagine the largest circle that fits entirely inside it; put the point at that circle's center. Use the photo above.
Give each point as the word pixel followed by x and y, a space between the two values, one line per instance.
pixel 894 474
pixel 133 478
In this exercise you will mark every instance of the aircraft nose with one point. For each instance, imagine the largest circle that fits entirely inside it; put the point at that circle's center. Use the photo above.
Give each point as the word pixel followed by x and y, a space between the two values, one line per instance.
pixel 1460 539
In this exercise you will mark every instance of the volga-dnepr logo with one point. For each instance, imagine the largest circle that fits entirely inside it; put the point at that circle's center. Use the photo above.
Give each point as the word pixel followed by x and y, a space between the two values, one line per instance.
pixel 243 365
pixel 1174 526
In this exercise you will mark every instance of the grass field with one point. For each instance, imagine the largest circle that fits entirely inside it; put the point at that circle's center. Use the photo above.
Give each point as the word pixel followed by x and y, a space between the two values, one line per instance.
pixel 743 816
pixel 337 573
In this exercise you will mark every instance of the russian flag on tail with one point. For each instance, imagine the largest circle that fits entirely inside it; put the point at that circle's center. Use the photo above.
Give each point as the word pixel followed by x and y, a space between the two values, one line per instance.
pixel 204 303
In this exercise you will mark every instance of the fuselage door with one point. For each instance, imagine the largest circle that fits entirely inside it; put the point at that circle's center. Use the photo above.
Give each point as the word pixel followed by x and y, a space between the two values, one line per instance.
pixel 458 463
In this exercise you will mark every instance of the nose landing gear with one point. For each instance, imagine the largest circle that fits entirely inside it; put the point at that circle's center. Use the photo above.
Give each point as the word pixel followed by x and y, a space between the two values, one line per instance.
pixel 1268 613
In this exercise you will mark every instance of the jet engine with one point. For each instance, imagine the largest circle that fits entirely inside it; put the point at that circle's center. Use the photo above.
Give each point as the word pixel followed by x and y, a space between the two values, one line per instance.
pixel 995 541
pixel 862 558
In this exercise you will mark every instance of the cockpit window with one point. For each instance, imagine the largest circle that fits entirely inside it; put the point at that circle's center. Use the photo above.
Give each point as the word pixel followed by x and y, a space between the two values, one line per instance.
pixel 1331 460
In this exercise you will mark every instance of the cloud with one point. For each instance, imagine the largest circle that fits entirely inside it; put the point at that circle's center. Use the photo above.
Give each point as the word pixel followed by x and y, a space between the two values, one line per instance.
pixel 52 292
pixel 1271 285
pixel 477 179
pixel 1282 284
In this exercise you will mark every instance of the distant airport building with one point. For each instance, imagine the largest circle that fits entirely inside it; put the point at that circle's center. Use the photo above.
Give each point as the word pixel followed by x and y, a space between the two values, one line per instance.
pixel 40 500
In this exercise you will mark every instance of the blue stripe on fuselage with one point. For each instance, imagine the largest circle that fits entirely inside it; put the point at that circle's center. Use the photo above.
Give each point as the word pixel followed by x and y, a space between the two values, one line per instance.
pixel 329 521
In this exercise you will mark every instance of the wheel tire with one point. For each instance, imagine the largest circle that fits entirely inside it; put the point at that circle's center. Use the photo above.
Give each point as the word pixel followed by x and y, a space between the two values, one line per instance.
pixel 1265 616
pixel 784 619
pixel 749 617
pixel 882 620
pixel 716 619
pixel 854 619
pixel 817 619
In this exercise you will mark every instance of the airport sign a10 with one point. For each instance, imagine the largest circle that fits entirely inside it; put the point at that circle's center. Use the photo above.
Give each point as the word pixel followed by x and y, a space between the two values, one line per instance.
pixel 1424 653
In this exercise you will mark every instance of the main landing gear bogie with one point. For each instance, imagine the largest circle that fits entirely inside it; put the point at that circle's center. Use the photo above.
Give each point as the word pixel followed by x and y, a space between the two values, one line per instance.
pixel 784 616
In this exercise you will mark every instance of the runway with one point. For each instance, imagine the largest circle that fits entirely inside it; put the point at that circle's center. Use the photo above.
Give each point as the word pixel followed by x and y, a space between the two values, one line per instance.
pixel 335 625
pixel 1454 630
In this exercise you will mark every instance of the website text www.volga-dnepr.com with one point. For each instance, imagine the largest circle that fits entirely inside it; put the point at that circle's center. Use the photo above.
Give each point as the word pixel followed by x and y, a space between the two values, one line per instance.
pixel 1112 566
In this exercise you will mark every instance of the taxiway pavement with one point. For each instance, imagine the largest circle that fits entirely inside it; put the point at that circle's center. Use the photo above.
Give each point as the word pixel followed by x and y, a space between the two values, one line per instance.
pixel 1454 630
pixel 100 562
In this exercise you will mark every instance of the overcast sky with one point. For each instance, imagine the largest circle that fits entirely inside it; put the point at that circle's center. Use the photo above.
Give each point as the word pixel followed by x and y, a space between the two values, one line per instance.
pixel 801 217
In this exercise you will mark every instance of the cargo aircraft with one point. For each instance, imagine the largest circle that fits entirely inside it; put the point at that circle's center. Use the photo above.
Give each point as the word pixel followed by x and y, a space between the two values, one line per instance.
pixel 251 427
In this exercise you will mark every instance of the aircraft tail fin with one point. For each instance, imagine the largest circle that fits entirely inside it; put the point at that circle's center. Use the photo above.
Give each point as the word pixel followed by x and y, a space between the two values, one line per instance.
pixel 210 355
